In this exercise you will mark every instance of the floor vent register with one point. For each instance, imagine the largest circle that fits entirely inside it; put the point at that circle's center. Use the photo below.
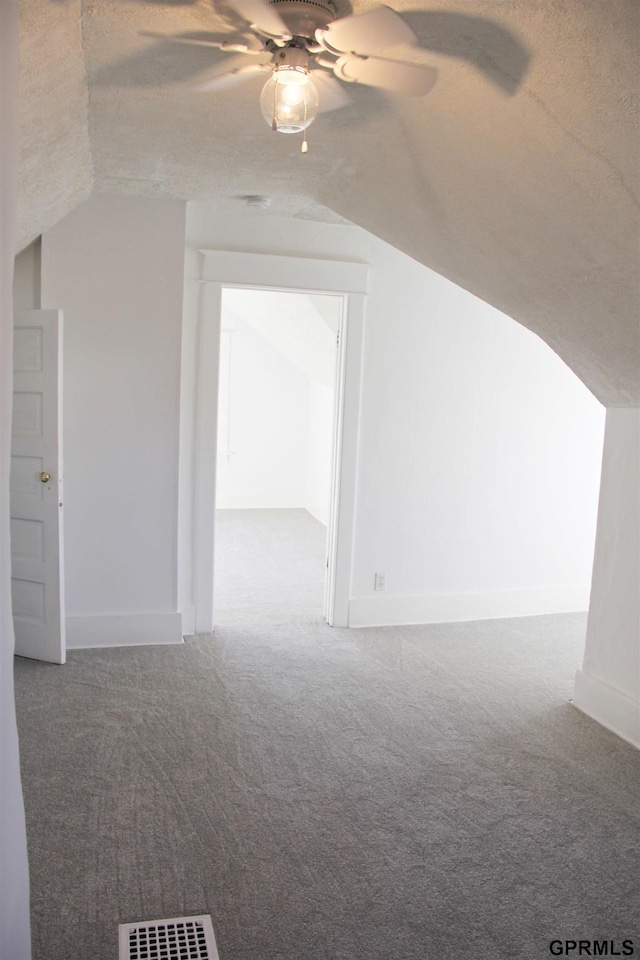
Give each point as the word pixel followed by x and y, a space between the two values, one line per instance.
pixel 182 938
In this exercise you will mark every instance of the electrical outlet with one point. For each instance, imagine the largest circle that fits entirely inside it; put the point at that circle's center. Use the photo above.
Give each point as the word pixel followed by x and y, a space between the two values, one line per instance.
pixel 380 581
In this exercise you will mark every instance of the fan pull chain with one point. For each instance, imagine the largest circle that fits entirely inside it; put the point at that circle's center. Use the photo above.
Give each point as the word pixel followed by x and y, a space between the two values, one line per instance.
pixel 274 122
pixel 305 146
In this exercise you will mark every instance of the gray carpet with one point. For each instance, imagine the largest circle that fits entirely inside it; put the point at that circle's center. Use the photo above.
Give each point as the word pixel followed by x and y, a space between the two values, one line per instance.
pixel 413 793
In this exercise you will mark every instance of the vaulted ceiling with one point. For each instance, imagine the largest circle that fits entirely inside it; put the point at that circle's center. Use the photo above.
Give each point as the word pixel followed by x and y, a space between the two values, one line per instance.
pixel 517 177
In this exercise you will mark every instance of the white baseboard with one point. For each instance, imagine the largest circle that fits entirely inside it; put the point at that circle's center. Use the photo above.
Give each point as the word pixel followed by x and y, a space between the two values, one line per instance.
pixel 257 501
pixel 123 631
pixel 390 610
pixel 318 511
pixel 188 620
pixel 612 708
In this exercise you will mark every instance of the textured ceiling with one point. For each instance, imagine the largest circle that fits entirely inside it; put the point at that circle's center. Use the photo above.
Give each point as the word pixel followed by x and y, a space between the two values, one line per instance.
pixel 517 177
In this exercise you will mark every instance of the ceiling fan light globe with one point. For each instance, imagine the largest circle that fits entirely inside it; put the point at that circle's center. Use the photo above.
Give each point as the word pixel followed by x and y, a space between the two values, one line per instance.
pixel 286 107
pixel 293 94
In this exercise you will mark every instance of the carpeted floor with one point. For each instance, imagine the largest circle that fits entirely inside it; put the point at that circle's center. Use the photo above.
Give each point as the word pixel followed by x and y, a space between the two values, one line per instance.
pixel 413 793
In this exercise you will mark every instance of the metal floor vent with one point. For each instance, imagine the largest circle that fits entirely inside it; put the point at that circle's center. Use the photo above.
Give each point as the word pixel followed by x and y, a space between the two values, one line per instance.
pixel 182 938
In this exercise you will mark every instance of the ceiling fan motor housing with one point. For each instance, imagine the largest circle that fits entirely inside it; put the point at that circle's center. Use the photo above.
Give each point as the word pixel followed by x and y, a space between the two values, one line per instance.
pixel 304 17
pixel 291 56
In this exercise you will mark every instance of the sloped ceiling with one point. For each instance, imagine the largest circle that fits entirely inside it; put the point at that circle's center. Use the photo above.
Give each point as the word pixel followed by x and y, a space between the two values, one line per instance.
pixel 294 324
pixel 56 171
pixel 516 178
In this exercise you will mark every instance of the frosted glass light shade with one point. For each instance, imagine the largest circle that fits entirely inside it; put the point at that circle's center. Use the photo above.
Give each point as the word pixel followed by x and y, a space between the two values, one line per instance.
pixel 289 100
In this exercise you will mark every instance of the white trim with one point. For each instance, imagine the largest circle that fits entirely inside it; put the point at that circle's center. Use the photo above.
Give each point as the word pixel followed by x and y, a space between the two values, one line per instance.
pixel 611 708
pixel 123 630
pixel 205 464
pixel 188 620
pixel 344 478
pixel 271 271
pixel 389 609
pixel 299 274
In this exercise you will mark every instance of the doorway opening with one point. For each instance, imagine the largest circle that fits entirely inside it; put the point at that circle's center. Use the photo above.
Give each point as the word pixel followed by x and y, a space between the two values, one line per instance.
pixel 221 270
pixel 277 432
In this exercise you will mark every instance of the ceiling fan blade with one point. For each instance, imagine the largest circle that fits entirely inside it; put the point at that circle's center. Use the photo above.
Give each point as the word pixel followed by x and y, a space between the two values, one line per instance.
pixel 409 79
pixel 332 94
pixel 237 72
pixel 366 32
pixel 261 14
pixel 203 39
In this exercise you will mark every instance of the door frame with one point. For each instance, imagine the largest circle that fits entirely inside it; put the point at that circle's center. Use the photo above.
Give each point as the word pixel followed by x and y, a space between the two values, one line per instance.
pixel 346 279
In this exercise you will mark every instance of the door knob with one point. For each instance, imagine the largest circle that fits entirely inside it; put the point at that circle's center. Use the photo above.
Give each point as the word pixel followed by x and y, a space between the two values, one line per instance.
pixel 45 477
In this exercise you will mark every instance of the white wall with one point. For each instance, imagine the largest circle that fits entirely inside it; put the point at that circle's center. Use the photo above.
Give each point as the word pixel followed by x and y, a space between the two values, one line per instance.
pixel 275 414
pixel 479 460
pixel 608 686
pixel 27 277
pixel 115 267
pixel 319 449
pixel 15 937
pixel 266 409
pixel 480 450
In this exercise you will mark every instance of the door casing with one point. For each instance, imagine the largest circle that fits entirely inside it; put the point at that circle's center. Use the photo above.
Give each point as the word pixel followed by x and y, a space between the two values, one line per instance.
pixel 220 269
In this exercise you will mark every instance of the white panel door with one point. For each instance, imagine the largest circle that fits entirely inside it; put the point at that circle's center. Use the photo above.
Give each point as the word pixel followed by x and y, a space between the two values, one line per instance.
pixel 36 486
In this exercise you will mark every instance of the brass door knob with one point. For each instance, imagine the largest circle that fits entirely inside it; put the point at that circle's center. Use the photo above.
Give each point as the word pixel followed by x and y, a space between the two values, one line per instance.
pixel 45 477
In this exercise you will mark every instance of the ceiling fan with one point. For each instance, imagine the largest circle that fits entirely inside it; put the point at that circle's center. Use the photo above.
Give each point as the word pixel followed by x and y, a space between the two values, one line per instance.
pixel 305 49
